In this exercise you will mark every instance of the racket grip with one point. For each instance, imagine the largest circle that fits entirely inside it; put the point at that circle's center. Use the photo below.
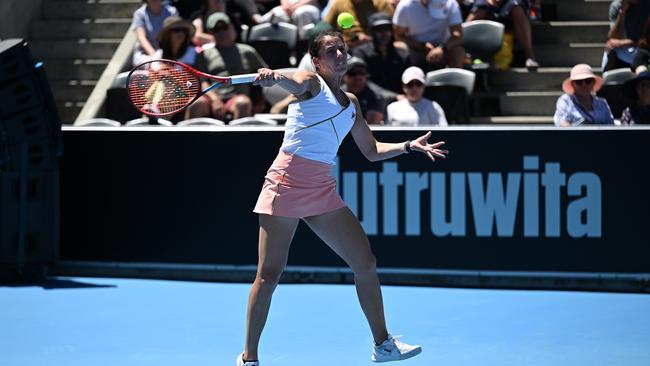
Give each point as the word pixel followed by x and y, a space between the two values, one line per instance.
pixel 242 79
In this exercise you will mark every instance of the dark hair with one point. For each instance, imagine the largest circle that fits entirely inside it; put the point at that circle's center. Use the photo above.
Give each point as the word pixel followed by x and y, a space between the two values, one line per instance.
pixel 166 45
pixel 317 41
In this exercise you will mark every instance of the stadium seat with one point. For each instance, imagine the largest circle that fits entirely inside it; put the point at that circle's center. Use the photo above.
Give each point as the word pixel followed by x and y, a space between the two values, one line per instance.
pixel 612 90
pixel 482 38
pixel 274 42
pixel 452 76
pixel 453 99
pixel 98 122
pixel 253 121
pixel 201 121
pixel 117 104
pixel 146 121
pixel 617 76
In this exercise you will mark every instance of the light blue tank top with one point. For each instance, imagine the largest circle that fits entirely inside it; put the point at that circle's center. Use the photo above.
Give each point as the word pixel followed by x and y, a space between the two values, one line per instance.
pixel 316 127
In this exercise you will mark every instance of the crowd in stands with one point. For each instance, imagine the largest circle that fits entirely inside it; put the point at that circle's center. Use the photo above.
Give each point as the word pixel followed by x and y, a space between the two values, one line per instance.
pixel 393 44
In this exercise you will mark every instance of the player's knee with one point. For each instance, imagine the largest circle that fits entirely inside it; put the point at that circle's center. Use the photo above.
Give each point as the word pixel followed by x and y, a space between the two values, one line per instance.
pixel 269 277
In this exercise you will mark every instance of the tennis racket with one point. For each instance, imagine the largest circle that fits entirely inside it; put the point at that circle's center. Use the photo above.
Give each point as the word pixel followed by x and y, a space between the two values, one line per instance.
pixel 163 87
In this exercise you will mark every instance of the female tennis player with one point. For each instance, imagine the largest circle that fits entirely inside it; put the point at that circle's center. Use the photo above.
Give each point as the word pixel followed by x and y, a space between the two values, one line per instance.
pixel 299 185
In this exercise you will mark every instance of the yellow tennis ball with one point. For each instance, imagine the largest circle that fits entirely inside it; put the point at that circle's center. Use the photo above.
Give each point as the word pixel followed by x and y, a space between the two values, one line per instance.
pixel 345 20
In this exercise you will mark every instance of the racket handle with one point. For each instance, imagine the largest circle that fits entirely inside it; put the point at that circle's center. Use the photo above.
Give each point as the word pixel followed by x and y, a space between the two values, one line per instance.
pixel 242 79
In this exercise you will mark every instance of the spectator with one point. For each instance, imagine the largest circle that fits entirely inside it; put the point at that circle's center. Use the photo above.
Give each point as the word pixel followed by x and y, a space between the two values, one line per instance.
pixel 147 22
pixel 361 10
pixel 638 89
pixel 223 58
pixel 629 18
pixel 356 82
pixel 642 57
pixel 415 110
pixel 298 12
pixel 512 10
pixel 200 17
pixel 175 41
pixel 386 58
pixel 432 30
pixel 578 105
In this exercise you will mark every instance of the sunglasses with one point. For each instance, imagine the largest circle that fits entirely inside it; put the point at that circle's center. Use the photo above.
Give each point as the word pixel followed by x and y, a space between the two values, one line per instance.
pixel 585 81
pixel 413 83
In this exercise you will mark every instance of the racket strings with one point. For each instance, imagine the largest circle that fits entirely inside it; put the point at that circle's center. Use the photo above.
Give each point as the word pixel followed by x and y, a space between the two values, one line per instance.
pixel 162 88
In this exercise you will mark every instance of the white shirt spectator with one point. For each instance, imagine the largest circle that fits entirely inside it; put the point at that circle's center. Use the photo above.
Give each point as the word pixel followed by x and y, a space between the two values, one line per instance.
pixel 422 112
pixel 428 24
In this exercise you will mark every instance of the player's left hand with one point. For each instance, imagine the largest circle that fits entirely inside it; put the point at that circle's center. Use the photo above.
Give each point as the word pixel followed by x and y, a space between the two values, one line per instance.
pixel 431 150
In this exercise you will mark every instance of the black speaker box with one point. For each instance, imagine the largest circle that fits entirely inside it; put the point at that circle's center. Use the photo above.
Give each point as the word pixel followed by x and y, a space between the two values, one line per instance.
pixel 15 59
pixel 41 212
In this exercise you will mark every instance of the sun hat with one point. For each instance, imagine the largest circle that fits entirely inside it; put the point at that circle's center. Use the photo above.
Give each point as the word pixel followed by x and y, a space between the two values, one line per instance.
pixel 581 72
pixel 175 22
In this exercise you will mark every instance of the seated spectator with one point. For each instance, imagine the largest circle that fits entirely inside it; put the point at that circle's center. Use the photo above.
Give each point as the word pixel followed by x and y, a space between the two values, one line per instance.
pixel 641 61
pixel 298 12
pixel 147 22
pixel 637 89
pixel 629 18
pixel 224 58
pixel 175 41
pixel 509 10
pixel 386 58
pixel 432 30
pixel 356 82
pixel 415 110
pixel 361 10
pixel 199 18
pixel 579 105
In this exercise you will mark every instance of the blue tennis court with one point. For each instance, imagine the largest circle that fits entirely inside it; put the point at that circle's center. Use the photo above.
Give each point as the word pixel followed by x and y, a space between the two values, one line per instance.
pixel 107 321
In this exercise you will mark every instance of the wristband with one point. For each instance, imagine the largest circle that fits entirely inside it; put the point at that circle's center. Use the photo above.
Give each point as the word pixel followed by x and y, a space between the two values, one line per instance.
pixel 407 147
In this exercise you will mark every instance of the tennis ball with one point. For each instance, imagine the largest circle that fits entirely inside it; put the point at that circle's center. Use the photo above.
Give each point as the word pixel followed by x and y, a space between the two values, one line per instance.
pixel 345 20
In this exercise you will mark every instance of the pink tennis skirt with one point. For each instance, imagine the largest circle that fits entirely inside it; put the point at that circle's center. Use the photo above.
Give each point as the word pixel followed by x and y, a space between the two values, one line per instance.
pixel 298 187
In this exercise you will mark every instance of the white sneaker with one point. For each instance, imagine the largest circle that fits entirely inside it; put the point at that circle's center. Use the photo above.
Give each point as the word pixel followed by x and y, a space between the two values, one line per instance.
pixel 240 361
pixel 393 350
pixel 532 64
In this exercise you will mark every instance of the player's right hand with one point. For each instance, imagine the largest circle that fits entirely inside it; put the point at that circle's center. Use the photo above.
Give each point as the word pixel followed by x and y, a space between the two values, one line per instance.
pixel 267 77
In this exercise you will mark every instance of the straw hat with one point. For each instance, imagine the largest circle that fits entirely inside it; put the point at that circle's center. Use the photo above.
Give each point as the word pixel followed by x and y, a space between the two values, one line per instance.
pixel 581 72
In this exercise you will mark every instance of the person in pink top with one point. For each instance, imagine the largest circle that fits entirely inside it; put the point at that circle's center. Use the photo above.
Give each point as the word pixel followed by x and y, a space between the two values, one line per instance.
pixel 299 186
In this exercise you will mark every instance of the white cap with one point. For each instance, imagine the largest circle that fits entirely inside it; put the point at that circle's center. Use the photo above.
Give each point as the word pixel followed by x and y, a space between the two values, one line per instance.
pixel 413 73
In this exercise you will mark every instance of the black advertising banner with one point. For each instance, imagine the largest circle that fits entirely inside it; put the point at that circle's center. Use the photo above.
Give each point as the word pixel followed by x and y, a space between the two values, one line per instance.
pixel 524 199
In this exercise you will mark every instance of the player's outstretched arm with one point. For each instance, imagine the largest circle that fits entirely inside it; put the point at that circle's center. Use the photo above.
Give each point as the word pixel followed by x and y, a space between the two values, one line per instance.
pixel 301 83
pixel 375 150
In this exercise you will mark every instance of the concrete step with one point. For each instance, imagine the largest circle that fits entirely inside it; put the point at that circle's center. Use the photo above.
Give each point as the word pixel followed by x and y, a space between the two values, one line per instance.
pixel 582 9
pixel 68 111
pixel 74 28
pixel 91 9
pixel 78 69
pixel 530 103
pixel 83 48
pixel 512 120
pixel 520 79
pixel 570 32
pixel 72 90
pixel 569 55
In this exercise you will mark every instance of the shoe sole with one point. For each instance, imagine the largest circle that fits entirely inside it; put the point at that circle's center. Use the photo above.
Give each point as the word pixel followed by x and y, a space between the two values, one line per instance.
pixel 405 356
